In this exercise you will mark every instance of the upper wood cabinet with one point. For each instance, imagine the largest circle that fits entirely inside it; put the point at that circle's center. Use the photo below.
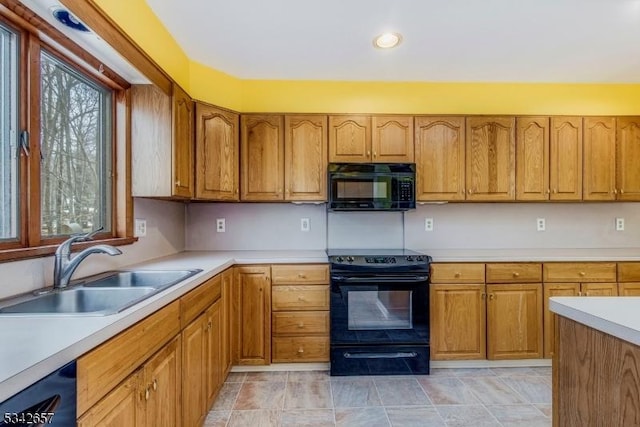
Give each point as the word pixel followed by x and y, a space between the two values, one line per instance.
pixel 491 158
pixel 262 151
pixel 532 158
pixel 566 158
pixel 440 158
pixel 217 154
pixel 599 147
pixel 182 120
pixel 161 143
pixel 305 157
pixel 392 139
pixel 366 139
pixel 349 139
pixel 628 158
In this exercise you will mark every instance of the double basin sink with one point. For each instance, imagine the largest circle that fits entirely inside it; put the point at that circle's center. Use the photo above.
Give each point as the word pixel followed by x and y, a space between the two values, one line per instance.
pixel 101 295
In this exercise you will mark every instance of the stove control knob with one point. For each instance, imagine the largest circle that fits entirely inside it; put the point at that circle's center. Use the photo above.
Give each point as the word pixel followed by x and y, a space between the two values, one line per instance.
pixel 392 260
pixel 350 259
pixel 409 258
pixel 419 259
pixel 339 259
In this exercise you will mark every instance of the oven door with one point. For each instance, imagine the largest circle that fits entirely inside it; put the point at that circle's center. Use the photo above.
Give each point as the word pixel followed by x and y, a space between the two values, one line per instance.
pixel 380 309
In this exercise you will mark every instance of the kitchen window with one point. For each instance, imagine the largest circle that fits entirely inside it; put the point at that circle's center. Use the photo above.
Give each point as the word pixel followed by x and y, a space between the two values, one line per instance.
pixel 63 127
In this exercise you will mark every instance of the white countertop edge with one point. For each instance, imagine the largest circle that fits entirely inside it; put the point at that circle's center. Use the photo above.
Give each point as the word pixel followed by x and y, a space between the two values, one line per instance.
pixel 571 308
pixel 533 255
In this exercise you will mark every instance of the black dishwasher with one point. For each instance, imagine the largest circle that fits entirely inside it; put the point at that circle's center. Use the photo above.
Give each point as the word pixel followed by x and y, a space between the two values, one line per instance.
pixel 49 402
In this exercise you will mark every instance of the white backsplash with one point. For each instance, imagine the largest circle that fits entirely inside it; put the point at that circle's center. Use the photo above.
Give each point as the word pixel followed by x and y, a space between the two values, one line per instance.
pixel 165 236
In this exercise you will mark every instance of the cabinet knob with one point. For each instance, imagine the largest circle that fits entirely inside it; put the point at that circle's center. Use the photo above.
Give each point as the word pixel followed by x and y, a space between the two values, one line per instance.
pixel 621 191
pixel 236 191
pixel 555 190
pixel 582 273
pixel 548 190
pixel 456 274
pixel 301 299
pixel 483 295
pixel 579 293
pixel 155 384
pixel 614 191
pixel 301 325
pixel 302 276
pixel 209 325
pixel 492 296
pixel 146 394
pixel 300 350
pixel 178 182
pixel 463 191
pixel 586 294
pixel 368 153
pixel 516 274
pixel 375 154
pixel 470 191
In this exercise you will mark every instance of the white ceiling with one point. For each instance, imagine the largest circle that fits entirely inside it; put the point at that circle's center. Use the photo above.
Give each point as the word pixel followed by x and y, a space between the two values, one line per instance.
pixel 444 40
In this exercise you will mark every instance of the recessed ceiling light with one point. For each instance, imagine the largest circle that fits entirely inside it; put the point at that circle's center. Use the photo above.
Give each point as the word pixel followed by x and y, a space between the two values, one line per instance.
pixel 387 40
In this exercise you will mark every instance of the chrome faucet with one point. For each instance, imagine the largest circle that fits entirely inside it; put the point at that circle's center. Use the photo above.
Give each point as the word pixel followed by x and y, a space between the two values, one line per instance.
pixel 65 266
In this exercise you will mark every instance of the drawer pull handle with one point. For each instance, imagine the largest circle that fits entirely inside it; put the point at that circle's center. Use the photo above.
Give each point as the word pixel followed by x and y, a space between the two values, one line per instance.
pixel 515 274
pixel 300 325
pixel 582 273
pixel 302 276
pixel 300 350
pixel 457 274
pixel 301 299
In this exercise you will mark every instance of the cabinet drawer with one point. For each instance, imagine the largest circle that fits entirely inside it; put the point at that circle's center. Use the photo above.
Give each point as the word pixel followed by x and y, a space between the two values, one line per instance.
pixel 457 273
pixel 300 349
pixel 629 272
pixel 300 273
pixel 199 299
pixel 514 273
pixel 580 272
pixel 288 298
pixel 300 323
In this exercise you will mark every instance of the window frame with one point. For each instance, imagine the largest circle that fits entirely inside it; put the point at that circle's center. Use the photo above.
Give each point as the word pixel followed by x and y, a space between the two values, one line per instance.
pixel 36 35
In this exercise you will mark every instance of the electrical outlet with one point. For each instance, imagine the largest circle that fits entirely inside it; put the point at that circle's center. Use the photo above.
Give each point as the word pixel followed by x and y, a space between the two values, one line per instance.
pixel 619 224
pixel 428 224
pixel 140 228
pixel 220 225
pixel 541 224
pixel 305 224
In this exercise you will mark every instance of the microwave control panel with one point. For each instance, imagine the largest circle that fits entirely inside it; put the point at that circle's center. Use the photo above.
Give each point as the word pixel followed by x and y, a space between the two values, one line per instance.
pixel 406 190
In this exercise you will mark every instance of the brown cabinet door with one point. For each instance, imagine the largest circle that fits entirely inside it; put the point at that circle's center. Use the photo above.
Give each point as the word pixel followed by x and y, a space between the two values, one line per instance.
pixel 162 383
pixel 514 321
pixel 554 290
pixel 349 139
pixel 532 158
pixel 599 289
pixel 262 152
pixel 123 406
pixel 599 147
pixel 392 139
pixel 305 158
pixel 565 159
pixel 193 372
pixel 628 158
pixel 227 347
pixel 631 289
pixel 440 158
pixel 217 161
pixel 213 362
pixel 182 143
pixel 491 158
pixel 458 321
pixel 254 329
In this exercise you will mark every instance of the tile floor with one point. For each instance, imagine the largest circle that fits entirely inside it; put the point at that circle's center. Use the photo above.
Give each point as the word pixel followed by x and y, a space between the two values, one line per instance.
pixel 448 397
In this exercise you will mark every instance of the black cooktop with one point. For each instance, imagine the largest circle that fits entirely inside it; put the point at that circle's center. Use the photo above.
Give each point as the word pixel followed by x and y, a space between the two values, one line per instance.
pixel 372 252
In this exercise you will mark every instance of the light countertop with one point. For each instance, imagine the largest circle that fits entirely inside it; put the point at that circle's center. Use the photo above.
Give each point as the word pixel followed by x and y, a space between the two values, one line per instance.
pixel 532 255
pixel 34 346
pixel 616 316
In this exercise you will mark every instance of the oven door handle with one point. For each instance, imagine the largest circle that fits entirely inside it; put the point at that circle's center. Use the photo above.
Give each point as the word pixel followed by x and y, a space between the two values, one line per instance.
pixel 379 355
pixel 380 279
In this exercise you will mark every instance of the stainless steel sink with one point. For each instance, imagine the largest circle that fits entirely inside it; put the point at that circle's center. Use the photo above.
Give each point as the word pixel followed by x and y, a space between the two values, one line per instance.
pixel 99 295
pixel 157 279
pixel 94 301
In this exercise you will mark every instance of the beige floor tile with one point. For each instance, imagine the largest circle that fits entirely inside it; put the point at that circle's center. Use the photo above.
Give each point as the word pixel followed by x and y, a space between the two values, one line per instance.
pixel 226 397
pixel 532 389
pixel 308 395
pixel 354 394
pixel 509 372
pixel 448 391
pixel 307 418
pixel 467 416
pixel 397 392
pixel 255 418
pixel 309 376
pixel 236 377
pixel 492 390
pixel 361 417
pixel 217 419
pixel 519 415
pixel 414 416
pixel 545 409
pixel 266 376
pixel 474 372
pixel 260 395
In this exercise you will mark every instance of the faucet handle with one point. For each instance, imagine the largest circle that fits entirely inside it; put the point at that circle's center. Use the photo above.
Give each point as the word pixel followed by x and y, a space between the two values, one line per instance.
pixel 87 236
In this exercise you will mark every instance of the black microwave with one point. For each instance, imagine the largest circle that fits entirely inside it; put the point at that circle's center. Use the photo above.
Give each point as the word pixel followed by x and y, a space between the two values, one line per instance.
pixel 372 186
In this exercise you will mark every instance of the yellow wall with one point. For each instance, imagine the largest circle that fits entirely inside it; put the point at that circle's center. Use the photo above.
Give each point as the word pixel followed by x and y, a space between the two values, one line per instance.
pixel 206 84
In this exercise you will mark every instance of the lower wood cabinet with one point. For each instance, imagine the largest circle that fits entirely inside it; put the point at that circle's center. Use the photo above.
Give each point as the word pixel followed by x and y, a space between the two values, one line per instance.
pixel 252 322
pixel 151 396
